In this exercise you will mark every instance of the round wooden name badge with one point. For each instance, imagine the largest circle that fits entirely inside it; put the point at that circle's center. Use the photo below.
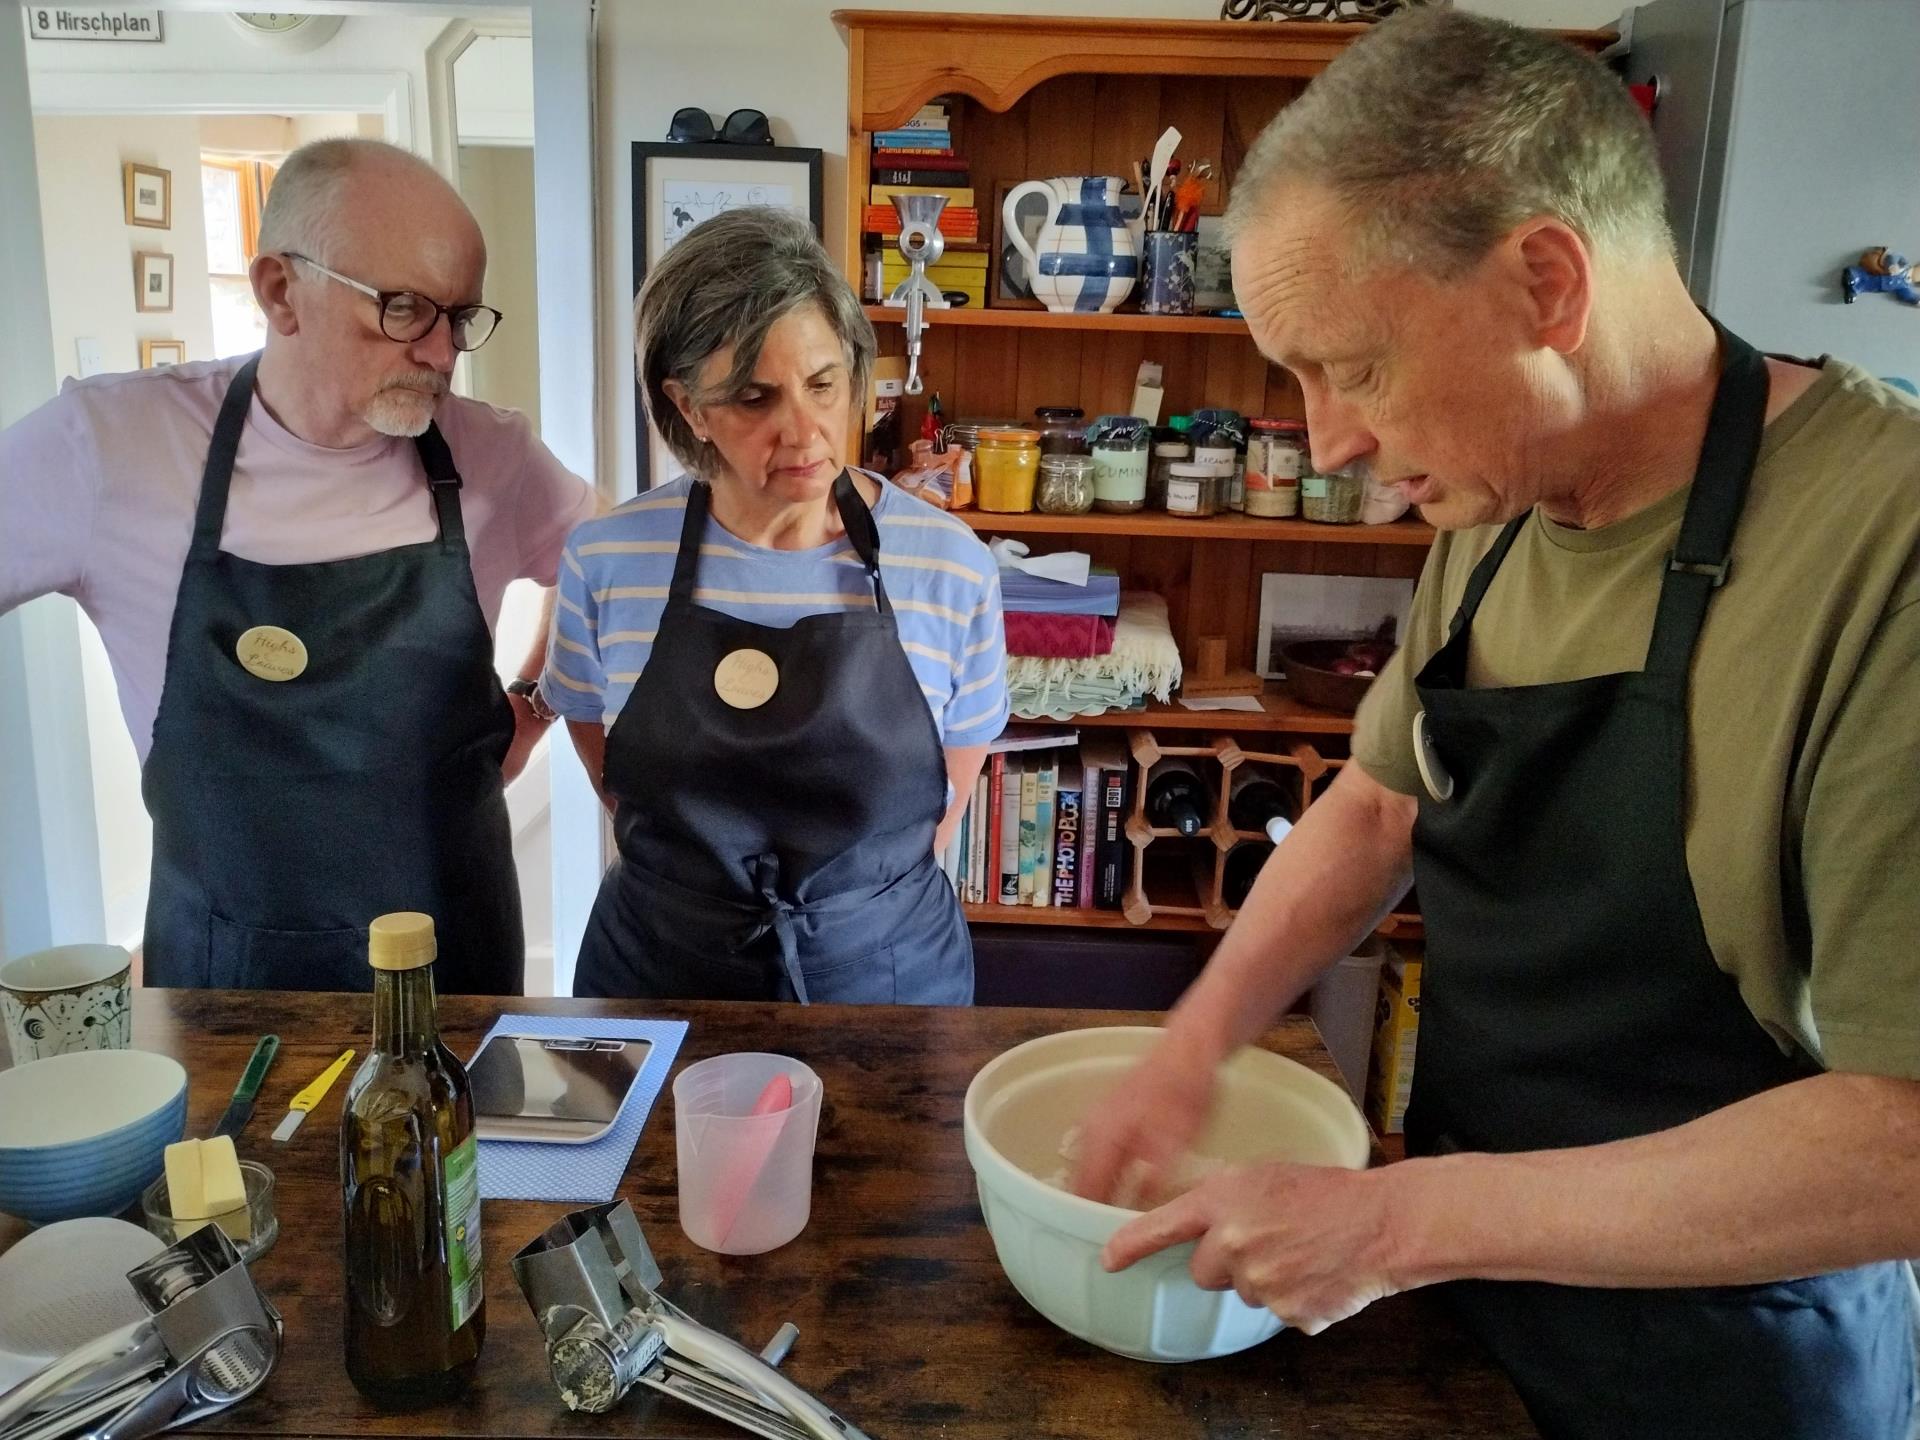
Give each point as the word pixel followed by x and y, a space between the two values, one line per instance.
pixel 746 679
pixel 271 653
pixel 1433 770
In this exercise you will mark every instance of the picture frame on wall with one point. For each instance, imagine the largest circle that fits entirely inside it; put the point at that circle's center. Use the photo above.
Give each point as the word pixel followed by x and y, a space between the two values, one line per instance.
pixel 148 192
pixel 676 187
pixel 152 281
pixel 158 354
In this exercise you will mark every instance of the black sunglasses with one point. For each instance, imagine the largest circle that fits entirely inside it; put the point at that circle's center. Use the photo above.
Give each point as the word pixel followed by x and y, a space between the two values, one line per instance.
pixel 694 126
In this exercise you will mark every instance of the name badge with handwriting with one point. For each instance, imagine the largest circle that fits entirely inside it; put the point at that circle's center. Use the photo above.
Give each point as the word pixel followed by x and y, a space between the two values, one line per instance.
pixel 271 653
pixel 746 679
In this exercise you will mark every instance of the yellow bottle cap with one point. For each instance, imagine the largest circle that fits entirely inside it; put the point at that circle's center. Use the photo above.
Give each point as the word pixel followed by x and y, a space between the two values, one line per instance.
pixel 401 941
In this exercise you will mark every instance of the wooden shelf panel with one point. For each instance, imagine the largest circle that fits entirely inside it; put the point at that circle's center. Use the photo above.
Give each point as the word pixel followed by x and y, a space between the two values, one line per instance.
pixel 1278 712
pixel 901 60
pixel 1125 320
pixel 1056 917
pixel 1394 927
pixel 1152 525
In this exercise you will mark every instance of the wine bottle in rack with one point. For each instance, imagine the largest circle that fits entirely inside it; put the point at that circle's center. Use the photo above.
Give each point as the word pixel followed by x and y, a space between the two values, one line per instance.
pixel 1256 796
pixel 1177 797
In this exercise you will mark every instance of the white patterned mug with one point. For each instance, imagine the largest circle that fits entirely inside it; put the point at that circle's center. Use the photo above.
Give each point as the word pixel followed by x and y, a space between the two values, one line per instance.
pixel 72 997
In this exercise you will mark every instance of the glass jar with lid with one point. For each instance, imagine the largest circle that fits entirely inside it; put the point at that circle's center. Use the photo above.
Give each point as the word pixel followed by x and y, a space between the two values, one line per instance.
pixel 1195 488
pixel 1063 429
pixel 1005 465
pixel 1333 499
pixel 1166 452
pixel 1065 486
pixel 1276 459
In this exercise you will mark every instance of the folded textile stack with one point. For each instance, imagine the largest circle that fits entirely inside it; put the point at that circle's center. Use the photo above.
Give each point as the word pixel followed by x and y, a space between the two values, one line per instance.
pixel 1058 637
pixel 1144 661
pixel 1028 594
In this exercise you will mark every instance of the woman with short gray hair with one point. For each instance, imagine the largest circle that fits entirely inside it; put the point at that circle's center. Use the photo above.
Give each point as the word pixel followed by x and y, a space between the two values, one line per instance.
pixel 781 673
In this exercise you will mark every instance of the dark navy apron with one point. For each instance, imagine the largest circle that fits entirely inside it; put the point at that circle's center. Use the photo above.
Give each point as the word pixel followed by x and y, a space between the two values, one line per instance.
pixel 777 844
pixel 289 813
pixel 1571 998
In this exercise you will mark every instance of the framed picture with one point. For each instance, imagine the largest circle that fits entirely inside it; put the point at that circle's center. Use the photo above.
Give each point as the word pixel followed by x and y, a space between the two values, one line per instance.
pixel 149 195
pixel 677 186
pixel 152 280
pixel 1212 267
pixel 158 354
pixel 1325 607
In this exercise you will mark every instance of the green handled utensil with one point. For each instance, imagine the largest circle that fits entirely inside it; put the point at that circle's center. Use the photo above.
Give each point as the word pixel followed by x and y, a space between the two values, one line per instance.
pixel 244 1094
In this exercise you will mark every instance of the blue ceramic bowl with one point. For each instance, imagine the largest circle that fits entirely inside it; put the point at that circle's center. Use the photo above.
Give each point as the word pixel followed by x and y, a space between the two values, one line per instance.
pixel 84 1133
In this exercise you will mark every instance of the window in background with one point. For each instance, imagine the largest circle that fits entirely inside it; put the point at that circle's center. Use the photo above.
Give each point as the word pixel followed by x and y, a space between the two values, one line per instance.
pixel 235 192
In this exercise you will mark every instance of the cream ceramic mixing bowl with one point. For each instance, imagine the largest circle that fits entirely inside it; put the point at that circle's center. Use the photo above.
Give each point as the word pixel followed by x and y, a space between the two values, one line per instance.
pixel 1019 1112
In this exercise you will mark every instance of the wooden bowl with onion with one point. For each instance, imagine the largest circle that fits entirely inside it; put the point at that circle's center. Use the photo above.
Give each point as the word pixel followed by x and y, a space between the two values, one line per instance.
pixel 1333 674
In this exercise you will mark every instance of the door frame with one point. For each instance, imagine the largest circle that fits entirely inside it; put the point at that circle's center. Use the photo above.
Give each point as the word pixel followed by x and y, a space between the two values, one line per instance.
pixel 45 753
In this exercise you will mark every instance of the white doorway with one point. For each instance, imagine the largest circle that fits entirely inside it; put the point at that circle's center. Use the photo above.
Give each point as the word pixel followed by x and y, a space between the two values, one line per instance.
pixel 63 841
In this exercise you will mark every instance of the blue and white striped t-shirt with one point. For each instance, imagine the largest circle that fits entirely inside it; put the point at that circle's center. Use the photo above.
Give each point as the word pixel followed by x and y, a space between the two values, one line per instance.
pixel 942 581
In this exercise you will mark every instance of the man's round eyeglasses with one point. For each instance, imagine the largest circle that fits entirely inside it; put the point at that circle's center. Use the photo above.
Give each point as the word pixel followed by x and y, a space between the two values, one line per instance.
pixel 407 315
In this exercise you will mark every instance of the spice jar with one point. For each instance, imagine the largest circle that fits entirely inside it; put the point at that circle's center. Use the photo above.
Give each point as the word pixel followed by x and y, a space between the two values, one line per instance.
pixel 1005 466
pixel 1332 499
pixel 1195 489
pixel 1165 454
pixel 1063 429
pixel 1216 429
pixel 1065 486
pixel 1276 459
pixel 1120 475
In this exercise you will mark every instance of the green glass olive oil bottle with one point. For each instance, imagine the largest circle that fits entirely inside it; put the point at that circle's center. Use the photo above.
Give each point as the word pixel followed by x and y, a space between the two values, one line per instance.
pixel 409 1173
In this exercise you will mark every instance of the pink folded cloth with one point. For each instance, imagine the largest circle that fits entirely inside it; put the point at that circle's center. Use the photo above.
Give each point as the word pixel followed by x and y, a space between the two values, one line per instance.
pixel 1058 637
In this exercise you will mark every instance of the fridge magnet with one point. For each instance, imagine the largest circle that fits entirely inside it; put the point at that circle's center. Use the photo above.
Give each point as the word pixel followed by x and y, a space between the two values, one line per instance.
pixel 1881 270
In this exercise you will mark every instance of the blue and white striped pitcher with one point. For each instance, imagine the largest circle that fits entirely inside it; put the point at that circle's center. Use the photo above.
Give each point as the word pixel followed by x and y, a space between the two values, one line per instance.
pixel 1086 259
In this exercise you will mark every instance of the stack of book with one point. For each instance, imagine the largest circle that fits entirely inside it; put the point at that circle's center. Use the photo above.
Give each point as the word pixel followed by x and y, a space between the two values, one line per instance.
pixel 919 159
pixel 1047 826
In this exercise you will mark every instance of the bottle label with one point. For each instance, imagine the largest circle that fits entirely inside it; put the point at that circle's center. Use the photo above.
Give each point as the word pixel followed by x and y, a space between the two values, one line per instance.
pixel 1314 487
pixel 461 1175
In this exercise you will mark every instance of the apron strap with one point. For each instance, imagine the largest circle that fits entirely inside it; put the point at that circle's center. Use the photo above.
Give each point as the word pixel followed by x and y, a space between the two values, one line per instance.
pixel 216 476
pixel 1699 563
pixel 443 479
pixel 854 515
pixel 1483 574
pixel 864 532
pixel 687 561
pixel 778 916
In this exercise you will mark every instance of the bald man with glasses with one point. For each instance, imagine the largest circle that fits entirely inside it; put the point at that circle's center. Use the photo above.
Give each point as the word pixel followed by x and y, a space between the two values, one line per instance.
pixel 296 560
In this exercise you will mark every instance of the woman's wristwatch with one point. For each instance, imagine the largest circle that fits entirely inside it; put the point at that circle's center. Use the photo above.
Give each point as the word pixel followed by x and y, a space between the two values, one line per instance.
pixel 530 689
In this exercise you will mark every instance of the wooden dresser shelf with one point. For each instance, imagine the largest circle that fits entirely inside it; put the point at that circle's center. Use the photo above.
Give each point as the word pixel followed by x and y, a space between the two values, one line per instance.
pixel 1158 525
pixel 1278 713
pixel 1125 320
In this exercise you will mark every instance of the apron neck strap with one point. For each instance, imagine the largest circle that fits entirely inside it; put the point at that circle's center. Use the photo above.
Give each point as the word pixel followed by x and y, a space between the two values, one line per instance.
pixel 1483 574
pixel 854 515
pixel 1699 563
pixel 216 476
pixel 864 532
pixel 443 479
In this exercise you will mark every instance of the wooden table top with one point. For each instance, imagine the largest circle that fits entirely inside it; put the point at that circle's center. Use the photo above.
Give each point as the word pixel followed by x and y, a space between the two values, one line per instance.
pixel 908 1326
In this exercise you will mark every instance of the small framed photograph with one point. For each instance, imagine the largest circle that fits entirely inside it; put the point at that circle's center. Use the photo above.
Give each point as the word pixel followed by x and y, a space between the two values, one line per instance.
pixel 1325 607
pixel 675 187
pixel 149 196
pixel 158 354
pixel 152 280
pixel 1213 267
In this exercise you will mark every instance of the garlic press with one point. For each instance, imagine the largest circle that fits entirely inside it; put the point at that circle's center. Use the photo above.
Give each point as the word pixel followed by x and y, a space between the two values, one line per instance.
pixel 594 1288
pixel 209 1340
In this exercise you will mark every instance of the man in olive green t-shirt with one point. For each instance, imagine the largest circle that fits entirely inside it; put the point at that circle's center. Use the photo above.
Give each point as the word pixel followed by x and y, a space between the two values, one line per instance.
pixel 1650 750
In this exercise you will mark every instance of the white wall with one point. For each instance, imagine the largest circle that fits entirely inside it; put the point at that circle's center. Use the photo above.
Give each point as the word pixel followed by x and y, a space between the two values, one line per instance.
pixel 90 247
pixel 788 59
pixel 497 183
pixel 205 43
pixel 493 91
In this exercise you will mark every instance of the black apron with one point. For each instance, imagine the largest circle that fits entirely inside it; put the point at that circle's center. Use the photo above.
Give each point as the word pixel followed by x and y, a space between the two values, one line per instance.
pixel 288 814
pixel 781 849
pixel 1571 998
